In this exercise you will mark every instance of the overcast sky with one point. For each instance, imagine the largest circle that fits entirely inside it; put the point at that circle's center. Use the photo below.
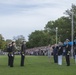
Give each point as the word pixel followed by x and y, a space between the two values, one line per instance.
pixel 21 17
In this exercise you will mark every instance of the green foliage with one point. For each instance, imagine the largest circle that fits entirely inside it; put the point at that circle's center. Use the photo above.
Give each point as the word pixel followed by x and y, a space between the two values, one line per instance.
pixel 39 38
pixel 69 13
pixel 48 35
pixel 2 43
pixel 64 28
pixel 64 25
pixel 1 37
pixel 8 41
pixel 18 40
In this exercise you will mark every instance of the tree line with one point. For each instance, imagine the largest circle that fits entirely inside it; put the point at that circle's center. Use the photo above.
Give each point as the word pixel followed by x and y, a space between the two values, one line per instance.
pixel 48 35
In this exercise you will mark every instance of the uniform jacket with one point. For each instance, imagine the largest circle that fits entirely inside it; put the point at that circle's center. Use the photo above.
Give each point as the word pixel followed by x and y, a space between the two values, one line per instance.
pixel 60 50
pixel 67 49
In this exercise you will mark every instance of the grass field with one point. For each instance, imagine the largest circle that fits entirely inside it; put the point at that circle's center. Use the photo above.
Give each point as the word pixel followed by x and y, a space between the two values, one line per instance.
pixel 36 65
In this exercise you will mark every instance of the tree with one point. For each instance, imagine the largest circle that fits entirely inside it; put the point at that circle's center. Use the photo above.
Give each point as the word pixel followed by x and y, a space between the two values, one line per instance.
pixel 48 35
pixel 39 38
pixel 69 13
pixel 8 41
pixel 1 37
pixel 64 28
pixel 18 39
pixel 2 42
pixel 3 45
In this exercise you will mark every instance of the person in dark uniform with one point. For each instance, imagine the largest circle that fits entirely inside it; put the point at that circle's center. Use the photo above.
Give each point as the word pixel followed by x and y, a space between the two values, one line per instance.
pixel 55 54
pixel 67 52
pixel 23 48
pixel 75 51
pixel 12 54
pixel 9 54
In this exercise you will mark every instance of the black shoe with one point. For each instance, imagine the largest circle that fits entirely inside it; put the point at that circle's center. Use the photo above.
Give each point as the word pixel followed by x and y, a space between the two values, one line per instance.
pixel 68 65
pixel 11 66
pixel 22 65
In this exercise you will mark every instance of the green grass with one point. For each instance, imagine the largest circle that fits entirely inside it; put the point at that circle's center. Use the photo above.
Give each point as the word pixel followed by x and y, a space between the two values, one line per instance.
pixel 36 65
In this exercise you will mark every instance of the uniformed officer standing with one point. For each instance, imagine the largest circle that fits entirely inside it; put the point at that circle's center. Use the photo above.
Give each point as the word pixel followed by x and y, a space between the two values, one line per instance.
pixel 75 51
pixel 12 54
pixel 9 54
pixel 67 52
pixel 55 53
pixel 23 48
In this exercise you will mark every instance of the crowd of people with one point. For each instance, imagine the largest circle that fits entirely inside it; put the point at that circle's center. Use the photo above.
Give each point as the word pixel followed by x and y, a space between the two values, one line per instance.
pixel 38 51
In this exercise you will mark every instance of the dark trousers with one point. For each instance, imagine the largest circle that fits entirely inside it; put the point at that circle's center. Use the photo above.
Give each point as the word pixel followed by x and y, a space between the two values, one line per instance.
pixel 68 60
pixel 11 61
pixel 55 58
pixel 22 60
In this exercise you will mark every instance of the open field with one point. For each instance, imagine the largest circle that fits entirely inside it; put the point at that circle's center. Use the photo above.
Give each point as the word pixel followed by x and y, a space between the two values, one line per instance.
pixel 36 65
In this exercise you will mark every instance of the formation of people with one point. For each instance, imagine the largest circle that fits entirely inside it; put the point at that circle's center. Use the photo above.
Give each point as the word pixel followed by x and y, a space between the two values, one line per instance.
pixel 63 49
pixel 11 50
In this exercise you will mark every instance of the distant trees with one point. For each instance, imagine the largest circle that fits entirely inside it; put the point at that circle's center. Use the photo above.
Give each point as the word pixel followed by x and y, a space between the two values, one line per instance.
pixel 64 28
pixel 39 38
pixel 2 42
pixel 69 13
pixel 18 40
pixel 48 35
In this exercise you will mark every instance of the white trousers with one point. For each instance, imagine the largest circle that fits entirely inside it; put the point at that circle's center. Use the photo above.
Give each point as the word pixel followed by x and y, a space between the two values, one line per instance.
pixel 60 60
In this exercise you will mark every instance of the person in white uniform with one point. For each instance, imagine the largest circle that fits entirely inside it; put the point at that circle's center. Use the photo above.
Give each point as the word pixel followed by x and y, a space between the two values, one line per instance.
pixel 60 52
pixel 49 51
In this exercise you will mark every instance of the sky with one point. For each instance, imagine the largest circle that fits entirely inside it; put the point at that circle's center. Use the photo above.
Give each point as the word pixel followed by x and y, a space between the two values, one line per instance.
pixel 22 17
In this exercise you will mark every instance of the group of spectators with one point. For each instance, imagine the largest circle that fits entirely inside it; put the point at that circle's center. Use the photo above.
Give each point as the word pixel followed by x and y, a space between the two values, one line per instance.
pixel 41 51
